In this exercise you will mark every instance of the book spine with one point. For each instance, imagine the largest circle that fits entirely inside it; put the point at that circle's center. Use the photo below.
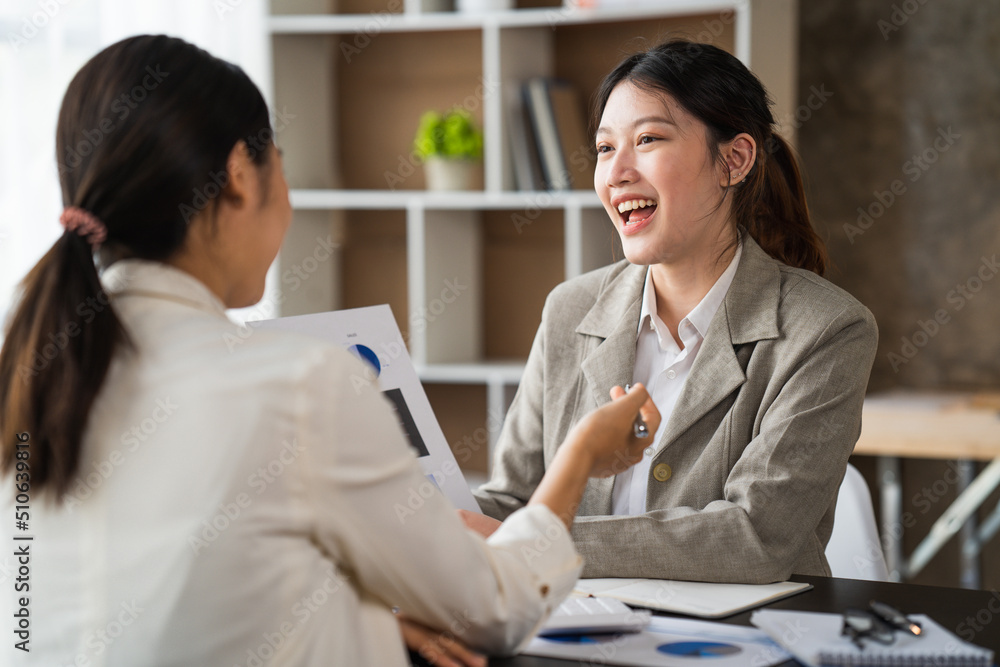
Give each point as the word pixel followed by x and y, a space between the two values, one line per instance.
pixel 546 134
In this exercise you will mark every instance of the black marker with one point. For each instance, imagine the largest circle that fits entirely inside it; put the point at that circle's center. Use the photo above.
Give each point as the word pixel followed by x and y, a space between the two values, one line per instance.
pixel 639 428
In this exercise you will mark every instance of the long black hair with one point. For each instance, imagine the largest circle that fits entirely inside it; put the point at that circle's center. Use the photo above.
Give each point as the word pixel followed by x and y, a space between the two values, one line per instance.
pixel 144 134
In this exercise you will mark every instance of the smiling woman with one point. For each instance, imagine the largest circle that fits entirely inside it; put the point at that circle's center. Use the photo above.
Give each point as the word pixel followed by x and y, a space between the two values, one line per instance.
pixel 758 365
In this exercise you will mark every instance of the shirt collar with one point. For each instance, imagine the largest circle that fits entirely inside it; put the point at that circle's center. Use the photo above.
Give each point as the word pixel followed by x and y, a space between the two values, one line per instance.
pixel 139 277
pixel 701 315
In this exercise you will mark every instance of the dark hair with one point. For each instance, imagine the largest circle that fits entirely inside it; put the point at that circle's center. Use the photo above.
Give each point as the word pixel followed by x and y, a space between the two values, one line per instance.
pixel 716 88
pixel 142 143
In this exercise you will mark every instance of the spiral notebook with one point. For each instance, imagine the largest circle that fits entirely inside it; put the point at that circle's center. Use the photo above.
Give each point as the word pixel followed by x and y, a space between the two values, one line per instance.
pixel 815 641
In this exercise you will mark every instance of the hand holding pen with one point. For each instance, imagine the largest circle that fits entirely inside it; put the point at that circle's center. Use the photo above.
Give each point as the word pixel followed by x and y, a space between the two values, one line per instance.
pixel 639 428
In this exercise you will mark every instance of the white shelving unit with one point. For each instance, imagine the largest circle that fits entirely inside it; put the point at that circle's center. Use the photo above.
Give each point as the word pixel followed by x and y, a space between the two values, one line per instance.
pixel 353 85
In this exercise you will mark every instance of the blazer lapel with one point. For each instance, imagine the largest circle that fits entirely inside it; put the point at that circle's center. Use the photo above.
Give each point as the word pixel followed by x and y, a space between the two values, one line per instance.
pixel 614 318
pixel 749 313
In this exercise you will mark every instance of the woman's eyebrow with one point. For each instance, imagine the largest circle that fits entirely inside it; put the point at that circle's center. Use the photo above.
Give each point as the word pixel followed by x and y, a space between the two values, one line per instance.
pixel 640 121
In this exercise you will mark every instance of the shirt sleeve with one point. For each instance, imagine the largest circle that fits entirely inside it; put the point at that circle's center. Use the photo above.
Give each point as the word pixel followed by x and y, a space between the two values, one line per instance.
pixel 398 539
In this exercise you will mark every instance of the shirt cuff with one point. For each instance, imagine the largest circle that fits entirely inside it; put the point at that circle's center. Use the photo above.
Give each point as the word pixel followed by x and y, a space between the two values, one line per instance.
pixel 541 540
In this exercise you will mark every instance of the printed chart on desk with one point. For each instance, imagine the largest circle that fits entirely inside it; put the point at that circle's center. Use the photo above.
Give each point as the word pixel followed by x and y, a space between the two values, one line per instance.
pixel 668 641
pixel 372 335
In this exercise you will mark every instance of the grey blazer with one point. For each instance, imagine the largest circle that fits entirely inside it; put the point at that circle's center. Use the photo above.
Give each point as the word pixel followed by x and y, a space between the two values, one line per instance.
pixel 755 449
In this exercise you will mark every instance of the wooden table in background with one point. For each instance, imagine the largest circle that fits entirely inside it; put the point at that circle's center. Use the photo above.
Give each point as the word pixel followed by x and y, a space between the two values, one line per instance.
pixel 956 426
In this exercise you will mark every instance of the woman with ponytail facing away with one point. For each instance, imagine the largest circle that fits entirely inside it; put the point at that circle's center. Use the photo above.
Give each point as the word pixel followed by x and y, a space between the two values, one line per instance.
pixel 758 365
pixel 187 503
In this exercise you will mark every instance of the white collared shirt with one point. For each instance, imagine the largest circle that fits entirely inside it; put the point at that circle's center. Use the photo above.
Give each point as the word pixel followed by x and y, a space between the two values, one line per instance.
pixel 663 367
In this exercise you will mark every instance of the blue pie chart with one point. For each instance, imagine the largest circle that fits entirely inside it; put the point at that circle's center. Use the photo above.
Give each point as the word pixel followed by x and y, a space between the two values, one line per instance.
pixel 367 354
pixel 698 649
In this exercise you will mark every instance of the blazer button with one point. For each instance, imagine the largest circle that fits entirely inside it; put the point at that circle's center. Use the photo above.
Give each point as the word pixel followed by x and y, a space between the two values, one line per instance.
pixel 662 472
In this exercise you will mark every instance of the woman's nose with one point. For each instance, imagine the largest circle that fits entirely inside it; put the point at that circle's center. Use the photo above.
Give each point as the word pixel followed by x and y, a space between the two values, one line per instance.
pixel 620 168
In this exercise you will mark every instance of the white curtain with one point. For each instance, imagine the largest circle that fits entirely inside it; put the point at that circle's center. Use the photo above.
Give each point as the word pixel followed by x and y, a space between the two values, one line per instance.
pixel 42 45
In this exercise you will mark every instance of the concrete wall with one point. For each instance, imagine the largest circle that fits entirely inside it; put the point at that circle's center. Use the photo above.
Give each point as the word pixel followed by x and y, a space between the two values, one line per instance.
pixel 900 141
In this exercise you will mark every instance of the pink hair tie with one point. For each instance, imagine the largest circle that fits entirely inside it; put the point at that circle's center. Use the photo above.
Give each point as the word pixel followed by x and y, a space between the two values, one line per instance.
pixel 75 219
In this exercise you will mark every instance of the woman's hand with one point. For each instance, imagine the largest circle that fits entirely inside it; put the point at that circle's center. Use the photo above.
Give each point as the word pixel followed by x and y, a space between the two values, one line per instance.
pixel 480 523
pixel 438 648
pixel 606 434
pixel 600 445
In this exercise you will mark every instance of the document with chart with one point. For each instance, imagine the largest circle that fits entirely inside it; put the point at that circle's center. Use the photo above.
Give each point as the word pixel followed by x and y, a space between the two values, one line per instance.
pixel 372 335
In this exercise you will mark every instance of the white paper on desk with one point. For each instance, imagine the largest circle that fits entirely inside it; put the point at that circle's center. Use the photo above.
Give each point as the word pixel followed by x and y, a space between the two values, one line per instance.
pixel 372 334
pixel 694 598
pixel 668 641
pixel 815 638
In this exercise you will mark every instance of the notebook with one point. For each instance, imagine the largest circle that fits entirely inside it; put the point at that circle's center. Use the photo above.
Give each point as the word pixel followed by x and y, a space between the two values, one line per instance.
pixel 694 598
pixel 814 639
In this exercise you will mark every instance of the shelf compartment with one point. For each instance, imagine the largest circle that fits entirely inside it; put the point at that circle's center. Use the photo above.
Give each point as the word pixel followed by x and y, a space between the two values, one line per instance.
pixel 461 410
pixel 522 262
pixel 310 263
pixel 373 263
pixel 585 53
pixel 385 89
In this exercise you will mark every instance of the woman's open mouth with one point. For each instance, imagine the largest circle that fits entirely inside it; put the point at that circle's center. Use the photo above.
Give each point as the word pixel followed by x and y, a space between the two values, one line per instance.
pixel 634 213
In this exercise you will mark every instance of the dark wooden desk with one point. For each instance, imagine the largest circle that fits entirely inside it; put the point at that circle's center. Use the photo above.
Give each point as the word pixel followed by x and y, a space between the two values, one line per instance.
pixel 972 615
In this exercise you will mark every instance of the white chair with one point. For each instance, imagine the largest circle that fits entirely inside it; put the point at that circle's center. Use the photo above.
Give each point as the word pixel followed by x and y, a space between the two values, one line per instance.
pixel 854 550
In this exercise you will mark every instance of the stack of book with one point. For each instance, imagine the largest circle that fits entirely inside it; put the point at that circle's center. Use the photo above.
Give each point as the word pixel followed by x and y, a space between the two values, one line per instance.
pixel 550 144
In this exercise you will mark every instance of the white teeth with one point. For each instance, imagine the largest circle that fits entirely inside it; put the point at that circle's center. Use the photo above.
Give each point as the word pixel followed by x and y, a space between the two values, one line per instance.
pixel 634 204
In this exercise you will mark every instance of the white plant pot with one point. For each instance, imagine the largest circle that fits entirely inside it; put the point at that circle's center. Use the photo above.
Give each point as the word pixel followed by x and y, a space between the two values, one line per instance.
pixel 448 174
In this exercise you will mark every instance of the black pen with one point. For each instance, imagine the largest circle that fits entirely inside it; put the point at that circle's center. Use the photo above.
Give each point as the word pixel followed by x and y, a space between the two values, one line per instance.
pixel 895 618
pixel 639 428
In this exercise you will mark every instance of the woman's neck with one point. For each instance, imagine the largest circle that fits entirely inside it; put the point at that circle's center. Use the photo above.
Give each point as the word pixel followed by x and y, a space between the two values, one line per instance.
pixel 681 285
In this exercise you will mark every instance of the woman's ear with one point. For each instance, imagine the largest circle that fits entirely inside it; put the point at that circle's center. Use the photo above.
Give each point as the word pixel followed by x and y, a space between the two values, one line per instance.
pixel 241 178
pixel 740 154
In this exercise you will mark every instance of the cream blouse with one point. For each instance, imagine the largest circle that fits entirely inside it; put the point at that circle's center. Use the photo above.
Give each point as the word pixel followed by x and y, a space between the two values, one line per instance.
pixel 240 505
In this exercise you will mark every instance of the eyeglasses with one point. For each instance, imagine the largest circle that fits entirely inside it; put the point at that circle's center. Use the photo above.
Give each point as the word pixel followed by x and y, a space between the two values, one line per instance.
pixel 879 623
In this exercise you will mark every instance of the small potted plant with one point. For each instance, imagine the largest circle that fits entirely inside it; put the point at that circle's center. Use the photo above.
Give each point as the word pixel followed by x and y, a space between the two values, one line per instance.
pixel 450 145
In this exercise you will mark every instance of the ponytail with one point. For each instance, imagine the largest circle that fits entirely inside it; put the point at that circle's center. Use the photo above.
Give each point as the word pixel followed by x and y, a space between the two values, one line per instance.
pixel 56 354
pixel 771 206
